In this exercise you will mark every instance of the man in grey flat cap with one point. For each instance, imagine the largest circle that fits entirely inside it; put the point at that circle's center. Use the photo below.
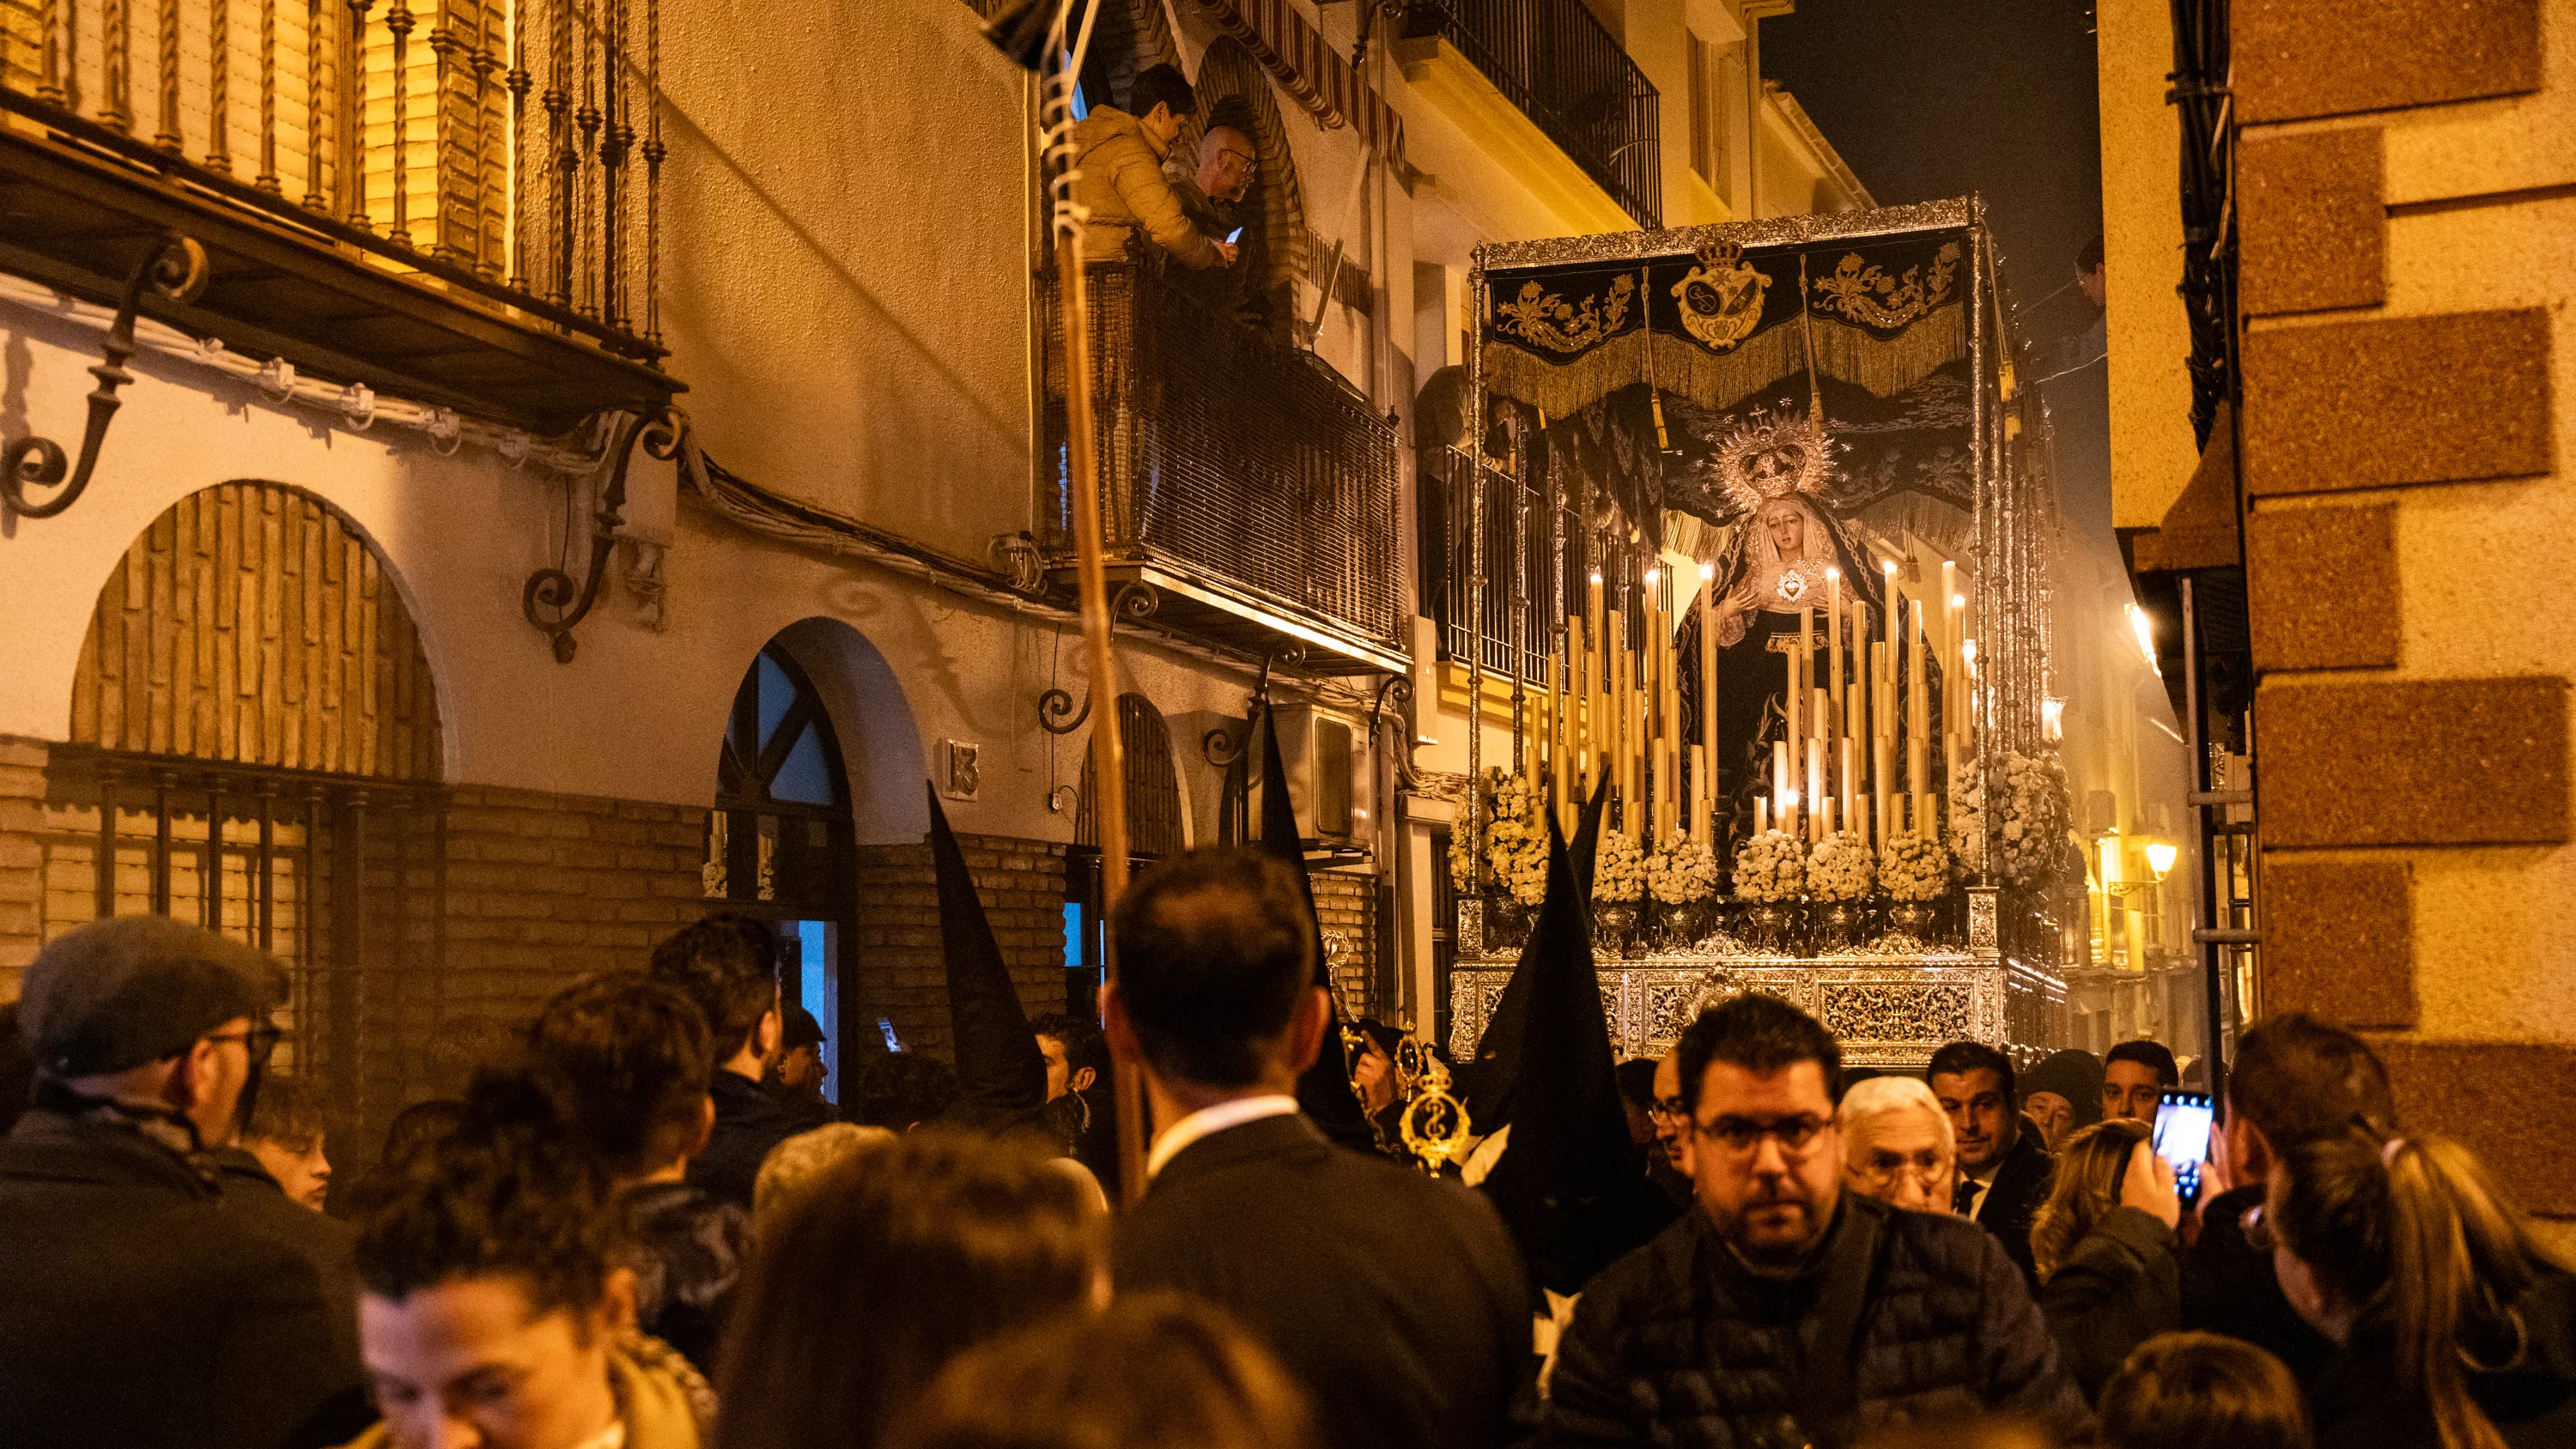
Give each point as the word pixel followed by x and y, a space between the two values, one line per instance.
pixel 134 1308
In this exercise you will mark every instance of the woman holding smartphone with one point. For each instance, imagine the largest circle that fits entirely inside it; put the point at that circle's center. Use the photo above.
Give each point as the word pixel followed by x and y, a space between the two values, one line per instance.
pixel 2104 1244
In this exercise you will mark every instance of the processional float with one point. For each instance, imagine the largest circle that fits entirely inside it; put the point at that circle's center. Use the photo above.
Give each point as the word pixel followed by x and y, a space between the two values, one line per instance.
pixel 1772 511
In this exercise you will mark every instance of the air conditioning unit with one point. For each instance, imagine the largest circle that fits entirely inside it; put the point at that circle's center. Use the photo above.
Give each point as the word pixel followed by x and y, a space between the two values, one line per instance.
pixel 1328 776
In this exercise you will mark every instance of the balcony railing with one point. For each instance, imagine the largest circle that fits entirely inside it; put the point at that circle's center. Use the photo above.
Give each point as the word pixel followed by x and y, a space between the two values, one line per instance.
pixel 1534 570
pixel 496 157
pixel 1243 478
pixel 1571 77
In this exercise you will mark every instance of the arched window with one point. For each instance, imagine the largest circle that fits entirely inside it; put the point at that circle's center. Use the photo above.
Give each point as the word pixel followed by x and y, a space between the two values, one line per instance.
pixel 1154 827
pixel 255 747
pixel 779 841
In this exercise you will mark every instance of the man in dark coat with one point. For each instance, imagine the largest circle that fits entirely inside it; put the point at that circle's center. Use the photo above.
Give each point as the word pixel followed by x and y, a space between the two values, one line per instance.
pixel 141 1309
pixel 728 965
pixel 2004 1172
pixel 2294 1079
pixel 629 1055
pixel 1394 1298
pixel 1783 1310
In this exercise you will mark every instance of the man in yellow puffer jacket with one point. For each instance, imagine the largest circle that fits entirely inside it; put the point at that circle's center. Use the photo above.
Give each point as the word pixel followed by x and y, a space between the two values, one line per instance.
pixel 1120 154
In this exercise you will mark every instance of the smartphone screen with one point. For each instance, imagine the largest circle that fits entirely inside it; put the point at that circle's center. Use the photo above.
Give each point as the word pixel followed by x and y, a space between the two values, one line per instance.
pixel 1234 235
pixel 885 1024
pixel 2183 1124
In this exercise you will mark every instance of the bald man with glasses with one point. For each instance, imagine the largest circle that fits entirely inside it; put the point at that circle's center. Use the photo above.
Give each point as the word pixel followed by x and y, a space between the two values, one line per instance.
pixel 1786 1309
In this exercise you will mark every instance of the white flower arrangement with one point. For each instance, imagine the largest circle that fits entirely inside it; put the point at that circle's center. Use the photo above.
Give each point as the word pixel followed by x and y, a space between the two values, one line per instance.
pixel 1462 860
pixel 1771 866
pixel 1618 867
pixel 1508 806
pixel 1522 868
pixel 1681 870
pixel 2035 816
pixel 1968 820
pixel 1840 868
pixel 1914 868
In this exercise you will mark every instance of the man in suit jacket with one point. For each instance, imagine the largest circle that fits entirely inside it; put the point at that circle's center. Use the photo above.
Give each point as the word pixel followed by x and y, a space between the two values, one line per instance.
pixel 1396 1299
pixel 2004 1172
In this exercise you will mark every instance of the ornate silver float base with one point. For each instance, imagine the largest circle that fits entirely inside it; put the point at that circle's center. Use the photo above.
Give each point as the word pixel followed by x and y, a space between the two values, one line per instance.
pixel 1889 1010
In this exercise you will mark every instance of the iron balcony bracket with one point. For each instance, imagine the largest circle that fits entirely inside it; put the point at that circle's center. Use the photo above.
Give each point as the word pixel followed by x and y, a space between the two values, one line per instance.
pixel 1135 599
pixel 552 601
pixel 175 267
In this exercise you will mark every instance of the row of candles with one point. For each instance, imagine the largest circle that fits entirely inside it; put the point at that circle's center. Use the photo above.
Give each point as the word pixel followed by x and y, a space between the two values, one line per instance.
pixel 1857 713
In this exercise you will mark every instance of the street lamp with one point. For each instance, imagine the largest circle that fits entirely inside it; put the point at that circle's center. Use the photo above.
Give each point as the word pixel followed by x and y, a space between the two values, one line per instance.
pixel 2160 858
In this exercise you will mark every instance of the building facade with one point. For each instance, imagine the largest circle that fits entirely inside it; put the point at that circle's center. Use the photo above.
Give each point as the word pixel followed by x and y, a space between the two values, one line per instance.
pixel 2382 514
pixel 582 465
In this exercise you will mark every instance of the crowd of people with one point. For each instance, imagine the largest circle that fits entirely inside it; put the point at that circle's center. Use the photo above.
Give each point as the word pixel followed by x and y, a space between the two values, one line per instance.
pixel 646 1227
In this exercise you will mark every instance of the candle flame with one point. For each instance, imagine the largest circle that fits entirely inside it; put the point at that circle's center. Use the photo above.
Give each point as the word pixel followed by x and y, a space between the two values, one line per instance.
pixel 1832 573
pixel 1890 566
pixel 1652 575
pixel 1707 571
pixel 1958 601
pixel 1789 799
pixel 1596 576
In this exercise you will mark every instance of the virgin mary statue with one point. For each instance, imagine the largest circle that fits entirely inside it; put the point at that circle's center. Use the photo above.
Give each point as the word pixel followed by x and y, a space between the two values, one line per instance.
pixel 1772 574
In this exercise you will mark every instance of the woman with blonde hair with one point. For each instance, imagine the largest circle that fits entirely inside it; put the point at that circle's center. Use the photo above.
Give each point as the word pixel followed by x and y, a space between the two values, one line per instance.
pixel 2104 1245
pixel 1897 1144
pixel 2457 1328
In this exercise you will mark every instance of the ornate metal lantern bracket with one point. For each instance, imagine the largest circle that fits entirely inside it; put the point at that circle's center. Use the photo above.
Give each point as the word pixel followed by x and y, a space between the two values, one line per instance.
pixel 175 267
pixel 552 601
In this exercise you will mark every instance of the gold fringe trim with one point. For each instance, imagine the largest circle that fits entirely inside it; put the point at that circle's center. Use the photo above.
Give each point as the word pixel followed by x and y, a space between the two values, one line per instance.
pixel 1883 365
pixel 1944 525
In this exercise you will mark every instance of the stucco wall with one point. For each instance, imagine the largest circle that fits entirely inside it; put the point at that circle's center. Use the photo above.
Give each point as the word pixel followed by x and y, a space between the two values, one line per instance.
pixel 638 713
pixel 845 244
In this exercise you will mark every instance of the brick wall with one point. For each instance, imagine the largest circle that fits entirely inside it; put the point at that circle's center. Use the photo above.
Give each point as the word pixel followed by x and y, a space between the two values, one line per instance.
pixel 895 960
pixel 1346 906
pixel 545 889
pixel 22 859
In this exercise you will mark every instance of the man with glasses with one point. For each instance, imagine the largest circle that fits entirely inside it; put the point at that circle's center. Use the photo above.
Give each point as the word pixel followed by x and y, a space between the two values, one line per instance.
pixel 142 1308
pixel 1216 195
pixel 1785 1310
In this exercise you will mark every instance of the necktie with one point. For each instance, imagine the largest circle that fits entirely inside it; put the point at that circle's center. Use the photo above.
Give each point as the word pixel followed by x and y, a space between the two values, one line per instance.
pixel 1964 1198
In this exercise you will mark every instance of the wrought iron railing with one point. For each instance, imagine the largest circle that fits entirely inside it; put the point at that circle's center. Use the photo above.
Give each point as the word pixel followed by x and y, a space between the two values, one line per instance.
pixel 1228 457
pixel 1571 77
pixel 506 148
pixel 1534 570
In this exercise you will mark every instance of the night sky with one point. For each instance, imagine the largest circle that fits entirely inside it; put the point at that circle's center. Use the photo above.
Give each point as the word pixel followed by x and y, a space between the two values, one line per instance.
pixel 1935 98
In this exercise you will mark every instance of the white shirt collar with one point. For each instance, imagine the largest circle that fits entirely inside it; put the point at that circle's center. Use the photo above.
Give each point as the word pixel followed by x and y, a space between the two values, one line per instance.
pixel 1208 1121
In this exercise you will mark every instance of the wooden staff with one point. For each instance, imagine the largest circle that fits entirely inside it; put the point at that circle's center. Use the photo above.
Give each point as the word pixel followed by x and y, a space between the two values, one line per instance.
pixel 1109 776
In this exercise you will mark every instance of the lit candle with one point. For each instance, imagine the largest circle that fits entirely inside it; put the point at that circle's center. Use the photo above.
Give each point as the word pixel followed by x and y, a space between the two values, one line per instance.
pixel 1780 780
pixel 1761 814
pixel 1707 699
pixel 1882 705
pixel 1918 719
pixel 1596 724
pixel 1700 801
pixel 1814 788
pixel 1834 633
pixel 1789 697
pixel 1850 820
pixel 1559 747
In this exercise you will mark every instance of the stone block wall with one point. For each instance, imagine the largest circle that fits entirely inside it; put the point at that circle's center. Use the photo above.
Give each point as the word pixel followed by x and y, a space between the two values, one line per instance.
pixel 2407 273
pixel 894 960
